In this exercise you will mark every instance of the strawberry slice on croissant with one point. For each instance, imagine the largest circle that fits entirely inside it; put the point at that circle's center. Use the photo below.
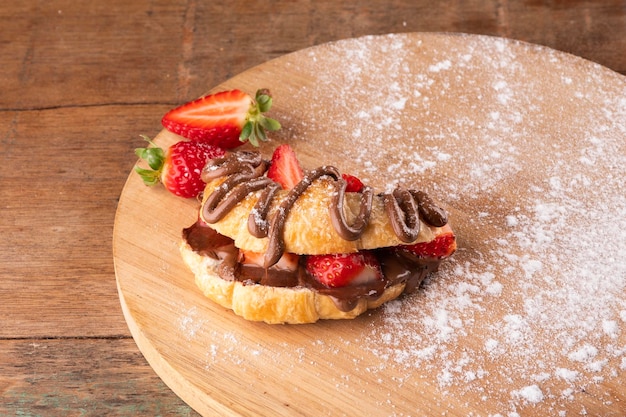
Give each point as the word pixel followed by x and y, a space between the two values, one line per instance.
pixel 277 244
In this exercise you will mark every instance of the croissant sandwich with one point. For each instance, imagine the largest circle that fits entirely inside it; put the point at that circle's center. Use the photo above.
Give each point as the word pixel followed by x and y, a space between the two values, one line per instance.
pixel 277 244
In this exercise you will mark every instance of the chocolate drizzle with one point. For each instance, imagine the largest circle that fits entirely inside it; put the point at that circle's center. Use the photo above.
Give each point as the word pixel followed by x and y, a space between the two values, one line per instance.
pixel 244 172
pixel 403 212
pixel 276 244
pixel 338 217
pixel 258 225
pixel 428 210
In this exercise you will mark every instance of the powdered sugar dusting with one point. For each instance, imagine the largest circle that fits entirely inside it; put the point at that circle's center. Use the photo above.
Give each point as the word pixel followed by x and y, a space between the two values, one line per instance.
pixel 528 152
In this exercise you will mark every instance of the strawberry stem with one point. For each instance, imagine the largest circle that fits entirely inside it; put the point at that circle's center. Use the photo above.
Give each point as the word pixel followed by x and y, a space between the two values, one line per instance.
pixel 155 157
pixel 256 122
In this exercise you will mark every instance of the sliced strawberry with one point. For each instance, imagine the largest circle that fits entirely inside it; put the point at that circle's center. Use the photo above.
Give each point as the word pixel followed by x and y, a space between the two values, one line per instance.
pixel 180 168
pixel 225 119
pixel 442 246
pixel 340 270
pixel 285 168
pixel 354 184
pixel 289 261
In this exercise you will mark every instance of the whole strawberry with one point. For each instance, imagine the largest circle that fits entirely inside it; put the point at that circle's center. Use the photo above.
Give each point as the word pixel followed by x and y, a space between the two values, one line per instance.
pixel 226 119
pixel 179 168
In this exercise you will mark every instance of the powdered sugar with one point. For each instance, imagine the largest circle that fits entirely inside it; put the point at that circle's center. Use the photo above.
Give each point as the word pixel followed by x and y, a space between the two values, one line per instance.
pixel 531 394
pixel 190 322
pixel 528 153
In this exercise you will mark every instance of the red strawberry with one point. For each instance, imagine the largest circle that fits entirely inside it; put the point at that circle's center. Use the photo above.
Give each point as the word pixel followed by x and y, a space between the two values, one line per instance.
pixel 180 168
pixel 354 184
pixel 340 270
pixel 285 168
pixel 226 119
pixel 442 246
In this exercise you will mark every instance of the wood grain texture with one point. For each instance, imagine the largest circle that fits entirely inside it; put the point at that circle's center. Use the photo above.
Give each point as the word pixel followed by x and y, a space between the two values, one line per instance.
pixel 61 54
pixel 81 80
pixel 203 351
pixel 86 377
pixel 58 223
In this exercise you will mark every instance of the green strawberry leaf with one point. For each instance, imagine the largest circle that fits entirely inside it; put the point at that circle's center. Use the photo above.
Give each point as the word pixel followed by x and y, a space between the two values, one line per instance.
pixel 155 158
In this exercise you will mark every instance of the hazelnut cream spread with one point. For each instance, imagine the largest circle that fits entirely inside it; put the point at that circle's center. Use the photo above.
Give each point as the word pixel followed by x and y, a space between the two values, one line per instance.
pixel 243 172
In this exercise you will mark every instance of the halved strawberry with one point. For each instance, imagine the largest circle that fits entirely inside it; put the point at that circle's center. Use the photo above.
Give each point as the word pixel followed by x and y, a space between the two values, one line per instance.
pixel 225 119
pixel 354 184
pixel 340 270
pixel 285 168
pixel 442 246
pixel 179 168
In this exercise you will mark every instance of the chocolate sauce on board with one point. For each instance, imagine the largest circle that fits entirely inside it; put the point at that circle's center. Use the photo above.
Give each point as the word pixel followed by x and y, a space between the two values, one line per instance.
pixel 244 173
pixel 398 267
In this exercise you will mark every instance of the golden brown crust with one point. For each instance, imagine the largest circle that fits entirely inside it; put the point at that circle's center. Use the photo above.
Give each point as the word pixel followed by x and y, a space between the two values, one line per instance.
pixel 272 305
pixel 308 228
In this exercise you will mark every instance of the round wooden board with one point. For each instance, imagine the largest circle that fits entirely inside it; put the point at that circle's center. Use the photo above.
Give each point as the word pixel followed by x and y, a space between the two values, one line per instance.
pixel 525 146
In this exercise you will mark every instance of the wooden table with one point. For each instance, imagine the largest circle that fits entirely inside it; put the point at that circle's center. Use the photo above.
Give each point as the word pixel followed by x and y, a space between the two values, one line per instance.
pixel 81 80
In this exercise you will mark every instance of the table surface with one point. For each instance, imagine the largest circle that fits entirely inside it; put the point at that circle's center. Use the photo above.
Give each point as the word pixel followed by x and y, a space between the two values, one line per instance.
pixel 81 81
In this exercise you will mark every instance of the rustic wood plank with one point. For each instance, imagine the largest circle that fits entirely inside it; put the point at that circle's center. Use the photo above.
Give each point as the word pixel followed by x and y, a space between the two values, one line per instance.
pixel 592 30
pixel 62 173
pixel 60 53
pixel 86 377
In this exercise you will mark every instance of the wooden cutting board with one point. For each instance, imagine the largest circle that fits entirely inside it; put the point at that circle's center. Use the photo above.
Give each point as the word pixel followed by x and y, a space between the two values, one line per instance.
pixel 525 146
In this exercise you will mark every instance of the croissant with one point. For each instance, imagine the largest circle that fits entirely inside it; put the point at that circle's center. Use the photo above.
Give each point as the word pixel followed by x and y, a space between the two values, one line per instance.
pixel 277 244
